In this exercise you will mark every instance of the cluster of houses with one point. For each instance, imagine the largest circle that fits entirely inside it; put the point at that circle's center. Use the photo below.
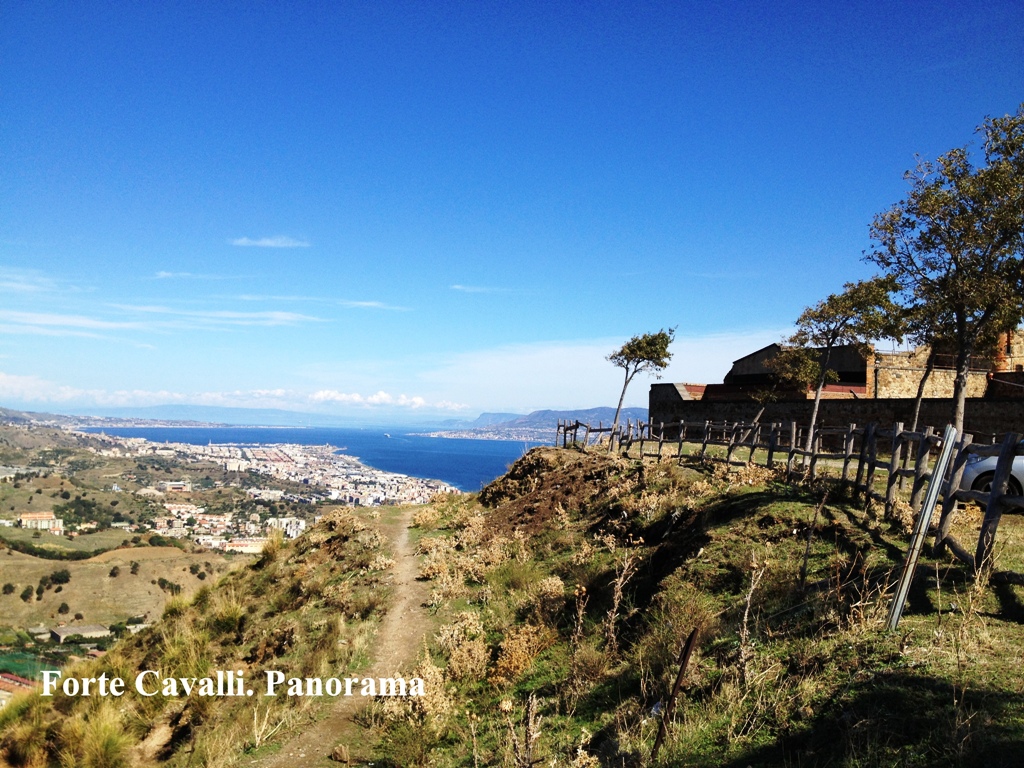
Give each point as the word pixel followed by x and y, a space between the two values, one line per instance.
pixel 226 531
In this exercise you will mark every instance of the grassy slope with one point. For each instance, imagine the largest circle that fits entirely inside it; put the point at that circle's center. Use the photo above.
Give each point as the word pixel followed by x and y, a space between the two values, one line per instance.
pixel 304 609
pixel 93 592
pixel 806 676
pixel 567 589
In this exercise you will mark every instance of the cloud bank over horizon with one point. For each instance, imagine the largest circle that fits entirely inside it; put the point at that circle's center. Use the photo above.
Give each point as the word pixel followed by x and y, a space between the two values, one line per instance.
pixel 514 378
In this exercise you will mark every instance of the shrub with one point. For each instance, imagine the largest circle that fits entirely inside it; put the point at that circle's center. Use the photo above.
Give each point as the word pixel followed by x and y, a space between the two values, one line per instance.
pixel 8 588
pixel 518 650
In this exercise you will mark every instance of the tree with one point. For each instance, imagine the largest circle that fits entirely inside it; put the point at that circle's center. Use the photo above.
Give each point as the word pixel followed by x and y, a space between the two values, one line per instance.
pixel 648 352
pixel 955 245
pixel 863 312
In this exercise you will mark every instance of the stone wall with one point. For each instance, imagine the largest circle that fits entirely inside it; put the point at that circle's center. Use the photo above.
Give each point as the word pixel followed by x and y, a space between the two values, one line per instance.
pixel 983 416
pixel 899 374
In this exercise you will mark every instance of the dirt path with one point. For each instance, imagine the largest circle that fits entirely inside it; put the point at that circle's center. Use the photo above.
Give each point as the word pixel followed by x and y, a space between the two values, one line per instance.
pixel 398 641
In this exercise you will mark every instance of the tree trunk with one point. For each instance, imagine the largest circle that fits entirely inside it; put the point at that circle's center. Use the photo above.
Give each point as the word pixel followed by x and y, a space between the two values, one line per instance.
pixel 817 397
pixel 963 367
pixel 814 415
pixel 618 410
pixel 928 368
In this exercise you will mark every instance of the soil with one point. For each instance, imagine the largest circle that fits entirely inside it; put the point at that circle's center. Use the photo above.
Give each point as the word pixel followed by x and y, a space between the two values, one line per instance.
pixel 399 640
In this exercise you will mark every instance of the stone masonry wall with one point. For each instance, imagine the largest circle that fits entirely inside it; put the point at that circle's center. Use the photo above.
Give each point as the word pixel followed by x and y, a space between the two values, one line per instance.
pixel 898 375
pixel 983 416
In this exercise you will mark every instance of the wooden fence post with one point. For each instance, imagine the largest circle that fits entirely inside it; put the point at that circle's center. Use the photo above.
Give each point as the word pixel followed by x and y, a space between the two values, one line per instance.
pixel 773 443
pixel 815 450
pixel 792 447
pixel 921 467
pixel 755 440
pixel 894 467
pixel 733 434
pixel 949 500
pixel 870 456
pixel 994 508
pixel 848 450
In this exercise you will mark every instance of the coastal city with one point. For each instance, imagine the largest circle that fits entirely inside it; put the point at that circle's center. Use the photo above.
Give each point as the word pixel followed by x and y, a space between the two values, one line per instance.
pixel 313 474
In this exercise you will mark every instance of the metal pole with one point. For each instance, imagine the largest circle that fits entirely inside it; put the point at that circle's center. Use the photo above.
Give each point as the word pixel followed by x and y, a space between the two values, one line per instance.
pixel 921 527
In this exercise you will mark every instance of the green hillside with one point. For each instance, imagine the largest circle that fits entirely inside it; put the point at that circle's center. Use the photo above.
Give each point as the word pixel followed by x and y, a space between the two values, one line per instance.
pixel 547 624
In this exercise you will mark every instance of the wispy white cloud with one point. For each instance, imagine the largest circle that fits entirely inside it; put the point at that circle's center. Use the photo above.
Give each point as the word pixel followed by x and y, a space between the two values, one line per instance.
pixel 346 303
pixel 162 275
pixel 223 316
pixel 473 289
pixel 370 305
pixel 29 282
pixel 269 297
pixel 34 389
pixel 381 398
pixel 37 390
pixel 280 241
pixel 35 330
pixel 52 320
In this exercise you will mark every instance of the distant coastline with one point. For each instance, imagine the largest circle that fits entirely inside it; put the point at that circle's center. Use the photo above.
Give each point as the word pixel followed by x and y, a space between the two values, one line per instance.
pixel 467 464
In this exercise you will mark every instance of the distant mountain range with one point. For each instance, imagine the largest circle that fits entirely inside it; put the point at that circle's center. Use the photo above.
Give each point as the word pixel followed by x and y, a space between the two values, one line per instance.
pixel 212 415
pixel 547 418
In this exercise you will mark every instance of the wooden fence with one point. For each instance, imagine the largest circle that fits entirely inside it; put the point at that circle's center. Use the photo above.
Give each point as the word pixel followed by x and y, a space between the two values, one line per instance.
pixel 859 455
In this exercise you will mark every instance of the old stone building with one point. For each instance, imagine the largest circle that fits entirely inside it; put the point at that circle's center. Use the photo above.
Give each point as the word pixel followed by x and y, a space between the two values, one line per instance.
pixel 877 386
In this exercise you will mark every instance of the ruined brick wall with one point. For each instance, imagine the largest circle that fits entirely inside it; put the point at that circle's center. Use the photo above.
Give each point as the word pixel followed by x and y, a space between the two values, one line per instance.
pixel 1010 354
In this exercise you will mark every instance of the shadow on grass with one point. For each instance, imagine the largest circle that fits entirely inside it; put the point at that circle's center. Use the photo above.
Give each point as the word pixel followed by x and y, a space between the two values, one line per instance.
pixel 901 719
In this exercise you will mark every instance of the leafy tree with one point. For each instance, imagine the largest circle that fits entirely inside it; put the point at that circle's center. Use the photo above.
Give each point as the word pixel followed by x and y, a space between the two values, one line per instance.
pixel 26 594
pixel 864 311
pixel 648 352
pixel 955 245
pixel 115 572
pixel 64 608
pixel 9 588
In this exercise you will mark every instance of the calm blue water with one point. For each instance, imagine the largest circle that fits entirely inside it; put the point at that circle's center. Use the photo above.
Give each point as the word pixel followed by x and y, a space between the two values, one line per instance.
pixel 467 464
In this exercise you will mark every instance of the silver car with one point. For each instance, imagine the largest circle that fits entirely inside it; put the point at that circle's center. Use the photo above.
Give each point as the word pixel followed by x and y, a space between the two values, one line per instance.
pixel 980 470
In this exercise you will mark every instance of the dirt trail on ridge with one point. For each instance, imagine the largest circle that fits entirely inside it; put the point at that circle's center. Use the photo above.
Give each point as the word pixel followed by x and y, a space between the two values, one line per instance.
pixel 398 641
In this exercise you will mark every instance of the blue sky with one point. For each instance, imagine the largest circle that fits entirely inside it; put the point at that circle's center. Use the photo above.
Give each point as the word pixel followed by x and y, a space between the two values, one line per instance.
pixel 408 210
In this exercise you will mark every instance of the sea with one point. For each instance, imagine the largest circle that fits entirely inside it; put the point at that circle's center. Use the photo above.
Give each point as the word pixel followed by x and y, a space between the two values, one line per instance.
pixel 468 465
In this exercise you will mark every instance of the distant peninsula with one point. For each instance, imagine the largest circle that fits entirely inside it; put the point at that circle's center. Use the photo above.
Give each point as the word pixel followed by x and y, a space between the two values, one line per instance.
pixel 537 426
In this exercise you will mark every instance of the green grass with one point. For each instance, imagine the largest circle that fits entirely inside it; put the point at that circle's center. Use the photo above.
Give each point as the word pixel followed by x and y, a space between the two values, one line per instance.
pixel 24 664
pixel 87 542
pixel 806 675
